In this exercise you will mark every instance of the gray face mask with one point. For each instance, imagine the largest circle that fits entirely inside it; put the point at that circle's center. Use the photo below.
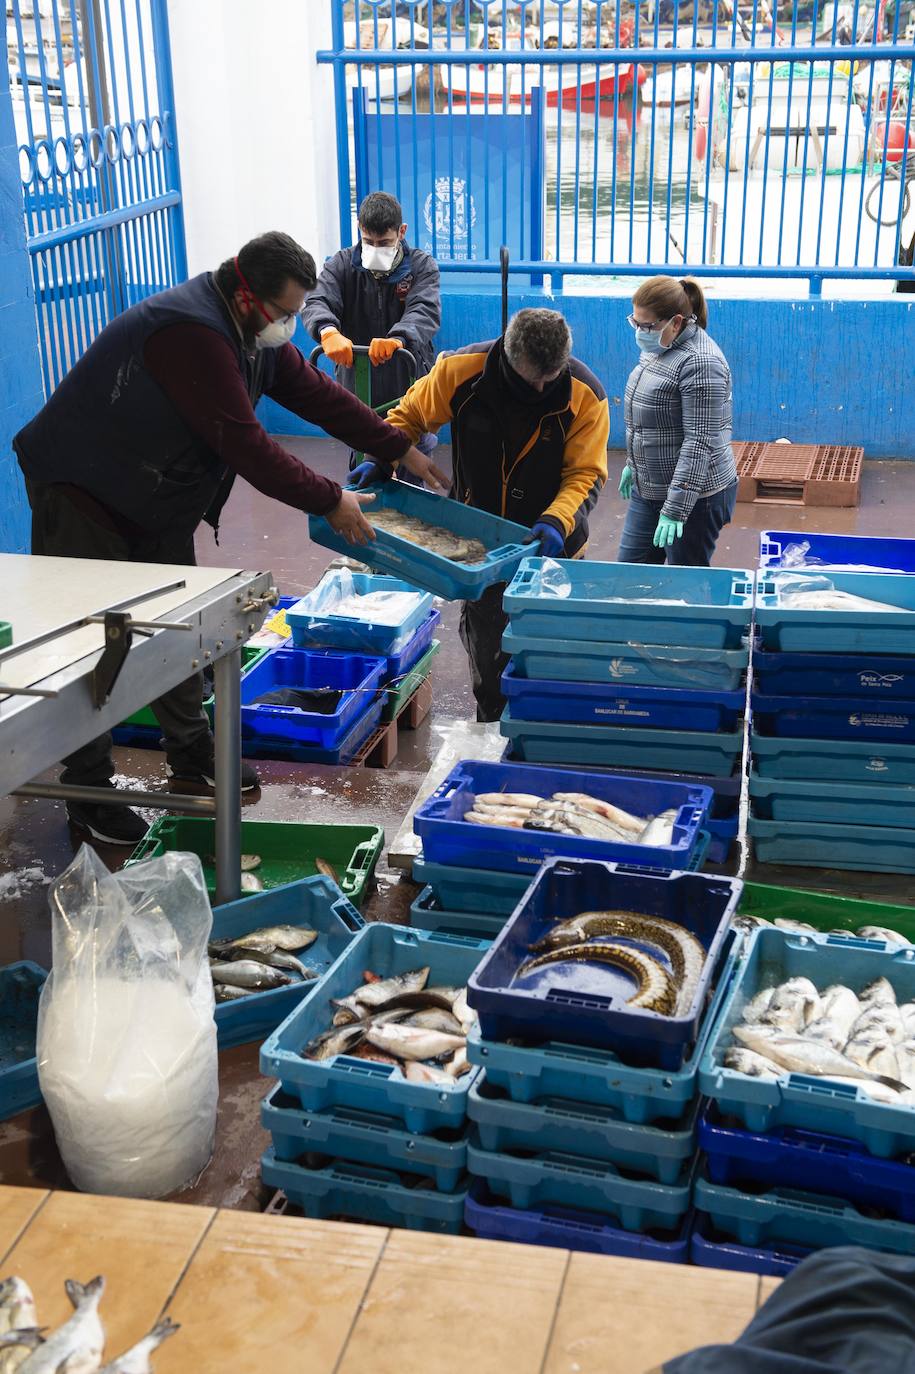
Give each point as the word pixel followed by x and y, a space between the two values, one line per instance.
pixel 275 334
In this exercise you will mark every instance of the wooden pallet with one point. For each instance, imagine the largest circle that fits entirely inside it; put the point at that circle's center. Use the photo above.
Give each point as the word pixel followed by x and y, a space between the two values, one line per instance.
pixel 799 474
pixel 380 749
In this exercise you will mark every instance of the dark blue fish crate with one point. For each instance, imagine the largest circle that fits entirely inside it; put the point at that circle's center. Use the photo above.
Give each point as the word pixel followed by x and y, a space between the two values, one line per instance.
pixel 448 838
pixel 20 990
pixel 872 678
pixel 587 1003
pixel 888 555
pixel 358 1192
pixel 315 624
pixel 608 703
pixel 356 677
pixel 343 752
pixel 712 1250
pixel 569 1229
pixel 833 718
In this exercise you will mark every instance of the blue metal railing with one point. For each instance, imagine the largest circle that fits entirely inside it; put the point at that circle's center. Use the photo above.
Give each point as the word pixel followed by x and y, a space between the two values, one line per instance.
pixel 735 146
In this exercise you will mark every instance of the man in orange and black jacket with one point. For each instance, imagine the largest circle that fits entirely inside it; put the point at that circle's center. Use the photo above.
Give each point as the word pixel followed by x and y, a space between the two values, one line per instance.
pixel 529 430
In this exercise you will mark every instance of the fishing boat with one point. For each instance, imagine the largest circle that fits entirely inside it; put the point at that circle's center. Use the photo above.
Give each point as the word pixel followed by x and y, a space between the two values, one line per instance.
pixel 802 114
pixel 384 81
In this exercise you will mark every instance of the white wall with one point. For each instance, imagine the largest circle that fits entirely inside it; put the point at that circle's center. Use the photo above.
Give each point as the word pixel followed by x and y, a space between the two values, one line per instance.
pixel 255 119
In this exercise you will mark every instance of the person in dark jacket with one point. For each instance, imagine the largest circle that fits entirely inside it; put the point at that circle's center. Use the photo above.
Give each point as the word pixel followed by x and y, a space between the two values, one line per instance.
pixel 383 295
pixel 144 437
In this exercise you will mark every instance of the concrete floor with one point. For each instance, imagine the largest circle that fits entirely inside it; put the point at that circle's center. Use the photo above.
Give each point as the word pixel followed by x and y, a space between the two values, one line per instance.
pixel 257 533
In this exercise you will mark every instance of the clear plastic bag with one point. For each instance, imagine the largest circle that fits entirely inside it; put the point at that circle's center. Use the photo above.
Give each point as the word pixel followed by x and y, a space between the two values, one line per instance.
pixel 126 1044
pixel 551 579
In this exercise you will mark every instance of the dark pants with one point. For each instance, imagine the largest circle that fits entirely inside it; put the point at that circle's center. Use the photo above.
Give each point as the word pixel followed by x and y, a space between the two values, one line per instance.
pixel 482 625
pixel 60 530
pixel 700 532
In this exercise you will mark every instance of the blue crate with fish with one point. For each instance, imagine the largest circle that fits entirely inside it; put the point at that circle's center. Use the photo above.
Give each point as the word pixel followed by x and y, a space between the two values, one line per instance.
pixel 358 1137
pixel 484 891
pixel 341 753
pixel 363 614
pixel 327 921
pixel 569 1229
pixel 867 677
pixel 808 844
pixel 590 1185
pixel 312 698
pixel 790 1157
pixel 708 608
pixel 620 746
pixel 20 990
pixel 626 664
pixel 777 799
pixel 834 718
pixel 606 818
pixel 853 761
pixel 607 703
pixel 427 914
pixel 804 1095
pixel 342 1077
pixel 808 1220
pixel 478 549
pixel 609 956
pixel 358 1192
pixel 660 1151
pixel 809 550
pixel 836 613
pixel 711 1249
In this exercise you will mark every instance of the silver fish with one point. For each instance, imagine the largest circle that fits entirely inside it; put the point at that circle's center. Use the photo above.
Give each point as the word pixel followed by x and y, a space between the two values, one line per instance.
pixel 833 600
pixel 660 830
pixel 433 1019
pixel 892 937
pixel 410 1042
pixel 16 1345
pixel 335 1041
pixel 752 1064
pixel 464 1012
pixel 873 1051
pixel 511 799
pixel 879 991
pixel 458 1064
pixel 872 1088
pixel 224 993
pixel 289 938
pixel 494 818
pixel 905 1057
pixel 138 1359
pixel 274 958
pixel 793 1005
pixel 879 1018
pixel 77 1346
pixel 623 820
pixel 17 1305
pixel 415 1072
pixel 744 921
pixel 456 547
pixel 378 993
pixel 249 862
pixel 800 1055
pixel 754 1009
pixel 250 882
pixel 840 1010
pixel 797 927
pixel 248 973
pixel 908 1016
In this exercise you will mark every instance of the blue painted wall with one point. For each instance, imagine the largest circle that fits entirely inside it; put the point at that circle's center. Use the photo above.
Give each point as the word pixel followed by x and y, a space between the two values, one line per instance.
pixel 837 372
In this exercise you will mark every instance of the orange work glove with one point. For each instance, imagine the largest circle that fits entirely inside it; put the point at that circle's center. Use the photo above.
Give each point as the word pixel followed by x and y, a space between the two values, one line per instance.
pixel 337 347
pixel 380 350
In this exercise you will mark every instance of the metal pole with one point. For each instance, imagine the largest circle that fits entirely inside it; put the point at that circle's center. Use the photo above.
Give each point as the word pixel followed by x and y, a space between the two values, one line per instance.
pixel 100 114
pixel 118 796
pixel 227 706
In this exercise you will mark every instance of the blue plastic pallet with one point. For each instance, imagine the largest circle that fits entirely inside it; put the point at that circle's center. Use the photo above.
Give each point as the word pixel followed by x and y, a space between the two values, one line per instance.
pixel 448 838
pixel 814 1104
pixel 484 891
pixel 360 1193
pixel 316 903
pixel 855 761
pixel 587 1004
pixel 20 988
pixel 608 703
pixel 575 1128
pixel 833 718
pixel 426 914
pixel 838 632
pixel 616 746
pixel 805 1219
pixel 626 665
pixel 873 678
pixel 364 1083
pixel 717 616
pixel 356 676
pixel 344 752
pixel 892 555
pixel 345 1133
pixel 777 799
pixel 502 539
pixel 808 1160
pixel 569 1229
pixel 712 1250
pixel 315 626
pixel 865 848
pixel 590 1185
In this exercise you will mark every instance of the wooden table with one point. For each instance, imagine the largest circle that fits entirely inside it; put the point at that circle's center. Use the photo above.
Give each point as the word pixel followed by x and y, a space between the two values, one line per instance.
pixel 278 1294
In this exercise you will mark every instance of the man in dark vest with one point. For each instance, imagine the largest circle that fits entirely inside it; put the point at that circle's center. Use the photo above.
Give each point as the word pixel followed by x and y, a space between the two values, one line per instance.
pixel 144 437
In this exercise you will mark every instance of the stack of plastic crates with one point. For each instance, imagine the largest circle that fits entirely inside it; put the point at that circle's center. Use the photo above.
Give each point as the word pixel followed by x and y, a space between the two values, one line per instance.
pixel 584 1122
pixel 352 1137
pixel 833 708
pixel 797 1163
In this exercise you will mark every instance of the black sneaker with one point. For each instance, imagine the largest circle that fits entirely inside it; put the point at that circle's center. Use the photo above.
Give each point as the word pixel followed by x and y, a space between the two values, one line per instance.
pixel 107 824
pixel 199 771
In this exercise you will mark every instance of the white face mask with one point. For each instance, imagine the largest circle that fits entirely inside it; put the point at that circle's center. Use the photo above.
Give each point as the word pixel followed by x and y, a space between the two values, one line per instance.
pixel 375 259
pixel 276 333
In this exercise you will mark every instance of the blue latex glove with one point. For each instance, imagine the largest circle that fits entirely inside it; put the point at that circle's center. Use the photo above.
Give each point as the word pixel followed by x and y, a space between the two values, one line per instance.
pixel 552 543
pixel 666 532
pixel 626 482
pixel 368 474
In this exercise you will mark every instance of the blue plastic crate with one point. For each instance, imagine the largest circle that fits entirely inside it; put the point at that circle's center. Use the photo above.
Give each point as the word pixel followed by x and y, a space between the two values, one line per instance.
pixel 777 799
pixel 833 718
pixel 448 838
pixel 838 632
pixel 344 752
pixel 815 1104
pixel 569 1229
pixel 426 914
pixel 619 746
pixel 316 903
pixel 20 988
pixel 577 1128
pixel 855 761
pixel 712 1250
pixel 865 848
pixel 584 1003
pixel 609 703
pixel 502 539
pixel 483 891
pixel 626 665
pixel 365 1083
pixel 610 601
pixel 590 1185
pixel 399 664
pixel 356 676
pixel 807 1160
pixel 360 1193
pixel 315 627
pixel 798 1218
pixel 345 1133
pixel 872 678
pixel 891 555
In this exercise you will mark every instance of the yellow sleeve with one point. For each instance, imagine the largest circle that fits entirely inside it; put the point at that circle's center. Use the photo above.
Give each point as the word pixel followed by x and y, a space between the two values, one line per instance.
pixel 427 404
pixel 584 461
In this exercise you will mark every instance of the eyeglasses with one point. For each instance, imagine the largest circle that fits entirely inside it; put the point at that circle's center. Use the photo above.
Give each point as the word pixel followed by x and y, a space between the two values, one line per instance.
pixel 282 316
pixel 644 324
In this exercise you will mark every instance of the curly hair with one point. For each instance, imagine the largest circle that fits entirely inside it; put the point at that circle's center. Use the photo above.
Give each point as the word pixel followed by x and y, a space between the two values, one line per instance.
pixel 541 338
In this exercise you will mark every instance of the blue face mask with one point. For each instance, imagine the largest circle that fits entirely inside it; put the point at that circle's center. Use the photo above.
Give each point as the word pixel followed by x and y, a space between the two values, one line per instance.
pixel 649 340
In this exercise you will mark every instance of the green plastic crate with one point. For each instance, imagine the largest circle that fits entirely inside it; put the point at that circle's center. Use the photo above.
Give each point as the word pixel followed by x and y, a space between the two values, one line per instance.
pixel 288 849
pixel 824 911
pixel 399 693
pixel 249 656
pixel 6 634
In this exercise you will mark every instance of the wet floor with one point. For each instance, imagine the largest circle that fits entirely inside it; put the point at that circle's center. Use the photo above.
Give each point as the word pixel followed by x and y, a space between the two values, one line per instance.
pixel 35 843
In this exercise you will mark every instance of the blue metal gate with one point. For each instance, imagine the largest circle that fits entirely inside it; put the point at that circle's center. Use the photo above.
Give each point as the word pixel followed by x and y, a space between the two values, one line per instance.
pixel 91 88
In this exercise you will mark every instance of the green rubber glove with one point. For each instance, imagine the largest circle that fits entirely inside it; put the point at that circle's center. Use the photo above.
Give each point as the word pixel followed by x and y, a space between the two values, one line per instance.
pixel 626 482
pixel 666 532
